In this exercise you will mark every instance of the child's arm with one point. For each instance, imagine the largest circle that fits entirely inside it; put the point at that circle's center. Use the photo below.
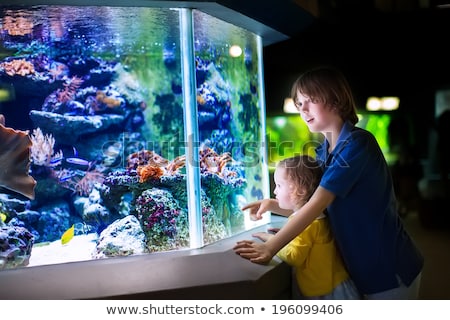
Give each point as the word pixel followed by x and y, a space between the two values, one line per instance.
pixel 295 252
pixel 263 252
pixel 259 207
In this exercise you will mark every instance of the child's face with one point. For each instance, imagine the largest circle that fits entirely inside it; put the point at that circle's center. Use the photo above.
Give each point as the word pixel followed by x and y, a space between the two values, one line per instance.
pixel 283 189
pixel 315 114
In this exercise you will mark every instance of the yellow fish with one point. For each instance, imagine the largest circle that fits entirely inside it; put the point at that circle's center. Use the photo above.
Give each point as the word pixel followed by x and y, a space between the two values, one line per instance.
pixel 3 217
pixel 68 235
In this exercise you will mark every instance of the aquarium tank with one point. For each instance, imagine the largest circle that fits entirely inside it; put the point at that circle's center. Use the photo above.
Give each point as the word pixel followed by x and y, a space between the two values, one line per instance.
pixel 146 131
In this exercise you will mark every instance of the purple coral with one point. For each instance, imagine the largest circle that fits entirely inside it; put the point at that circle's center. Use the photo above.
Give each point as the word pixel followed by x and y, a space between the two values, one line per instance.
pixel 15 246
pixel 162 220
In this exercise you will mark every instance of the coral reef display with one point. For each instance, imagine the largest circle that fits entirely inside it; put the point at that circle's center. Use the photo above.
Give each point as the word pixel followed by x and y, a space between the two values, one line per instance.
pixel 101 143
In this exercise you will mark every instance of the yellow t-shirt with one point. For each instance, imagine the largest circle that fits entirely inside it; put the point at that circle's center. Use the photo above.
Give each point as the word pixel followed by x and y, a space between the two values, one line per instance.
pixel 318 265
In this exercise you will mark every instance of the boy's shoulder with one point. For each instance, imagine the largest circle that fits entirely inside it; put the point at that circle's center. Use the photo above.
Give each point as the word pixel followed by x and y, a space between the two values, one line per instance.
pixel 353 132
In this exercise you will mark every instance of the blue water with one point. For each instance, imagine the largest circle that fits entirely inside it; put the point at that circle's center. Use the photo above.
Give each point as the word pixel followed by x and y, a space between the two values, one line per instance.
pixel 99 90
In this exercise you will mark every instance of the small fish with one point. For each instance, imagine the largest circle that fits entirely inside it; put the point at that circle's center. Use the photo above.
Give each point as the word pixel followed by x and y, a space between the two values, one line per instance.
pixel 56 161
pixel 68 235
pixel 67 176
pixel 78 161
pixel 3 217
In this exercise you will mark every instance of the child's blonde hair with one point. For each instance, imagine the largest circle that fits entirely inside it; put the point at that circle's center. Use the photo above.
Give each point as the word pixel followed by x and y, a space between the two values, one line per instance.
pixel 305 173
pixel 328 86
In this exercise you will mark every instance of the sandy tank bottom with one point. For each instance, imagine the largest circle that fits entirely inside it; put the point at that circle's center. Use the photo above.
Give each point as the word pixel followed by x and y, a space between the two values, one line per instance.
pixel 80 248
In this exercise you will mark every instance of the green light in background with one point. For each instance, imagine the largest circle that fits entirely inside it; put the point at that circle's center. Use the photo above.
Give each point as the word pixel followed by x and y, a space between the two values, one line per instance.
pixel 5 95
pixel 378 125
pixel 289 135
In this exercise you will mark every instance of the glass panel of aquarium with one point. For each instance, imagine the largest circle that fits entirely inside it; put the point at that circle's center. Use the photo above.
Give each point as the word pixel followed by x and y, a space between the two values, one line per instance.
pixel 100 94
pixel 230 120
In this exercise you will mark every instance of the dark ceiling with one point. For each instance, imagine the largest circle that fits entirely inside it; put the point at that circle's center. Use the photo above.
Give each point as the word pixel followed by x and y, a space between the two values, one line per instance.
pixel 386 47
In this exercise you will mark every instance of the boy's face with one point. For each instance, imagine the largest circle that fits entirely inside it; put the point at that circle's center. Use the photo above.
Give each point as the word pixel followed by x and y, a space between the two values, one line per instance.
pixel 316 115
pixel 283 189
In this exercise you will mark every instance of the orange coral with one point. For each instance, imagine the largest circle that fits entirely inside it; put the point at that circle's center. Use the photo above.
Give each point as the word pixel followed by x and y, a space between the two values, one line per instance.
pixel 17 26
pixel 174 165
pixel 212 162
pixel 57 71
pixel 81 183
pixel 144 157
pixel 70 88
pixel 19 67
pixel 85 185
pixel 108 101
pixel 200 100
pixel 149 172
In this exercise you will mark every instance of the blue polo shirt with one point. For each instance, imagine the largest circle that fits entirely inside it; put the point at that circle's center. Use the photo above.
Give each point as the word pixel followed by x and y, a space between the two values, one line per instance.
pixel 369 232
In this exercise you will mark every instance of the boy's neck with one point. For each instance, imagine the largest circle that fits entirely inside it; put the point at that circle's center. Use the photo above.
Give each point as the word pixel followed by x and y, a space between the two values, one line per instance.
pixel 332 135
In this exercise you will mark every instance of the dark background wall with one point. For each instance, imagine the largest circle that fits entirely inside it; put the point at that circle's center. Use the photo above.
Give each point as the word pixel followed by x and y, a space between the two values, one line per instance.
pixel 402 52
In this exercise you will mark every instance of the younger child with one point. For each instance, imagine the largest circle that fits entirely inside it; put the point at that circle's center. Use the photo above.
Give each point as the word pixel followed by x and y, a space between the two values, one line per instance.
pixel 319 270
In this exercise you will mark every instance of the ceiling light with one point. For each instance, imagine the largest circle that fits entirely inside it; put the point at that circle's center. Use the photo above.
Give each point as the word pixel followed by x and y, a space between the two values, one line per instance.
pixel 289 106
pixel 235 51
pixel 382 104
